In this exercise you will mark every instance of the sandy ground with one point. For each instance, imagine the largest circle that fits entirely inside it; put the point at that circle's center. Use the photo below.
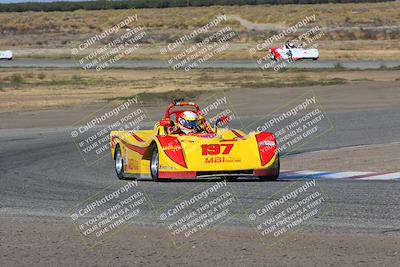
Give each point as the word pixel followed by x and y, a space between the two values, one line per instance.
pixel 23 89
pixel 60 244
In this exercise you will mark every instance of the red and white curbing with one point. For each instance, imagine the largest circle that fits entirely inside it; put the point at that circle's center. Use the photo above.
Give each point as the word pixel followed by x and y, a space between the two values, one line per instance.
pixel 350 175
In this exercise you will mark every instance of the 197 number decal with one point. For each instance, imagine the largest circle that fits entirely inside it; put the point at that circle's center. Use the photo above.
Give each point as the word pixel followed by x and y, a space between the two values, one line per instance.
pixel 216 149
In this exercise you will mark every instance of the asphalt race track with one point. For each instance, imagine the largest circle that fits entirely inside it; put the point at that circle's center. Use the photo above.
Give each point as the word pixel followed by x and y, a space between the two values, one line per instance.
pixel 43 175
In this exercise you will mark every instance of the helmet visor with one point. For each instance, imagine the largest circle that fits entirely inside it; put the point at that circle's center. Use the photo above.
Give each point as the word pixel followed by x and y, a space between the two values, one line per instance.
pixel 190 124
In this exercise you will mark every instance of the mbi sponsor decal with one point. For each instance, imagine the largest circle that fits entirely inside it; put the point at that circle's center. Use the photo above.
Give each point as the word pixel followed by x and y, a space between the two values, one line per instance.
pixel 221 159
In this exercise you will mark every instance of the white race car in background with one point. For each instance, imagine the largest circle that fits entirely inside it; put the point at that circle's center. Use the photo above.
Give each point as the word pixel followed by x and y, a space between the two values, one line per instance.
pixel 293 53
pixel 6 54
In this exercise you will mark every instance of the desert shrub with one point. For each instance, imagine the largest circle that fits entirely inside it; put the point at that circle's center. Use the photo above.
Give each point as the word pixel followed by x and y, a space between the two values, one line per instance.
pixel 16 79
pixel 41 76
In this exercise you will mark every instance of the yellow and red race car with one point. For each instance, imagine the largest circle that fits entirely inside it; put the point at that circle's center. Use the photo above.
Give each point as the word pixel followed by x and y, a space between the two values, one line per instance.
pixel 162 153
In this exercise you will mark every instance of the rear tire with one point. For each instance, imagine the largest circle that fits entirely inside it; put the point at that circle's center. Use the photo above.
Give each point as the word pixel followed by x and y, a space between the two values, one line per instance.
pixel 154 164
pixel 119 163
pixel 272 177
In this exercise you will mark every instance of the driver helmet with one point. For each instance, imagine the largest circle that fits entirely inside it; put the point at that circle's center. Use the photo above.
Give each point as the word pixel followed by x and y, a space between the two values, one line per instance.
pixel 188 122
pixel 291 45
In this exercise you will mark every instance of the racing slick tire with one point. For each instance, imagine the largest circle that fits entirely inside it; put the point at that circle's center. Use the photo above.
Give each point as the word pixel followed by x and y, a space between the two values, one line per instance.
pixel 154 164
pixel 119 163
pixel 272 177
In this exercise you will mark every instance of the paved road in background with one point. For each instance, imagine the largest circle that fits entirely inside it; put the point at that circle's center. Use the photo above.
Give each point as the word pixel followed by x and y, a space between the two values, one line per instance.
pixel 224 64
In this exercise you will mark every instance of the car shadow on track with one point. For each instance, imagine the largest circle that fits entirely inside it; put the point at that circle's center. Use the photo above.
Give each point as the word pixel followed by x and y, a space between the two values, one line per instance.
pixel 205 180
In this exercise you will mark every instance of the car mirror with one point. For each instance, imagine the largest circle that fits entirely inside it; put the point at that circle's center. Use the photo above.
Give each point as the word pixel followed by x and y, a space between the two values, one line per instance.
pixel 165 123
pixel 222 120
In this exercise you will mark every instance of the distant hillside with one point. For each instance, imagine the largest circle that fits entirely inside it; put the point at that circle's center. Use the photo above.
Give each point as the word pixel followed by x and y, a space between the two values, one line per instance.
pixel 103 4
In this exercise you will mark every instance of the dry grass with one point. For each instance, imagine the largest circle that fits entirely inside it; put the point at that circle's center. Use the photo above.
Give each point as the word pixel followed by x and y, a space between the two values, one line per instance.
pixel 53 34
pixel 38 89
pixel 84 21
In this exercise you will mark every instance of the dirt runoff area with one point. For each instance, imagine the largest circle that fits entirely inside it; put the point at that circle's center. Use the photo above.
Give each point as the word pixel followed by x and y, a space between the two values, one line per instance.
pixel 59 244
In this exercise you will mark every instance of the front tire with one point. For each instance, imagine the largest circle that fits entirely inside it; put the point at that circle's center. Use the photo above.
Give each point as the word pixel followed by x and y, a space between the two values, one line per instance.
pixel 273 177
pixel 119 163
pixel 154 164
